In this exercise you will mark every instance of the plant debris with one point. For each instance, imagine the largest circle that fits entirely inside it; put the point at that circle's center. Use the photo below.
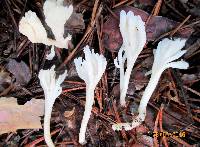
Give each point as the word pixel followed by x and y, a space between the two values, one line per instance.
pixel 172 108
pixel 20 71
pixel 14 116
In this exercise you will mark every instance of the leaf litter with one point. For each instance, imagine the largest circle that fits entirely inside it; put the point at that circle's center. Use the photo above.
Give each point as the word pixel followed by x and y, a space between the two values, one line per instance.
pixel 14 116
pixel 96 23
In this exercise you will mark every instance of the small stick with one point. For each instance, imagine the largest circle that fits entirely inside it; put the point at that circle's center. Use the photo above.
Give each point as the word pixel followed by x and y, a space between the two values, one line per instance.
pixel 192 90
pixel 73 89
pixel 120 3
pixel 75 82
pixel 111 12
pixel 157 7
pixel 155 10
pixel 180 25
pixel 161 128
pixel 176 11
pixel 33 144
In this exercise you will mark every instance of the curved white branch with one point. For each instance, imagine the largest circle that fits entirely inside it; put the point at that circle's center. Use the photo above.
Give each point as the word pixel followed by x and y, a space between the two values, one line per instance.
pixel 31 26
pixel 87 113
pixel 132 29
pixel 56 16
pixel 52 90
pixel 90 70
pixel 166 52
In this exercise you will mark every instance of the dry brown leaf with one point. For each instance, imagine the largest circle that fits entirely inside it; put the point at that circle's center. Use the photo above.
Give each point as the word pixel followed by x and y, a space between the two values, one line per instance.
pixel 14 116
pixel 5 79
pixel 20 71
pixel 75 23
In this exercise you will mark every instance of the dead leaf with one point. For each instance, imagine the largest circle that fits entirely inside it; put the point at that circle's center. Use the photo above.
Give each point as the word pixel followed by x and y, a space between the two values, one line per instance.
pixel 20 71
pixel 189 78
pixel 5 79
pixel 75 23
pixel 116 91
pixel 72 73
pixel 139 79
pixel 14 116
pixel 131 88
pixel 156 26
pixel 147 62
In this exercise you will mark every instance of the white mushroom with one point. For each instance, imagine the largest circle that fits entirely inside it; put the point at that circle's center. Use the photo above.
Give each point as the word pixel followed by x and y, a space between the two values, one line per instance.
pixel 132 29
pixel 31 26
pixel 56 16
pixel 52 90
pixel 167 51
pixel 90 70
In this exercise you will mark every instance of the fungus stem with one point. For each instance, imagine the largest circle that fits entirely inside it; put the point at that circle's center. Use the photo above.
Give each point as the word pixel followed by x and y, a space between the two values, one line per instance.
pixel 47 117
pixel 87 113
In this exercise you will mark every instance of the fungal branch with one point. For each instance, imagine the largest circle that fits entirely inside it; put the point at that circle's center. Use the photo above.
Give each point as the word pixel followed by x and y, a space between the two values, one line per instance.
pixel 133 32
pixel 167 51
pixel 52 90
pixel 90 70
pixel 56 16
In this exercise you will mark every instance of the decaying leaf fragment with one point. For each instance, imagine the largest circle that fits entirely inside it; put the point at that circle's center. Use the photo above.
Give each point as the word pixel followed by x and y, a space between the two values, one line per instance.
pixel 14 116
pixel 5 79
pixel 20 71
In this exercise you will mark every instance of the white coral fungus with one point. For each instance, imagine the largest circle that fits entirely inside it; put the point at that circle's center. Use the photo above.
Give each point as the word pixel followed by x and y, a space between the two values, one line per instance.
pixel 132 29
pixel 31 26
pixel 90 70
pixel 52 90
pixel 56 16
pixel 167 51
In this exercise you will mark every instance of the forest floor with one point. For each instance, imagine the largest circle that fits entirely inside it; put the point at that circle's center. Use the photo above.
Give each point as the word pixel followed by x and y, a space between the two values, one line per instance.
pixel 173 107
